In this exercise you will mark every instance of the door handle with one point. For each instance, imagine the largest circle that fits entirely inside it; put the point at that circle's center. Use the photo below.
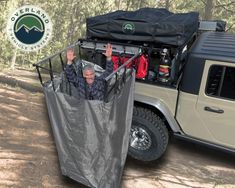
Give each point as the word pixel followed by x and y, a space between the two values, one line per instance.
pixel 219 111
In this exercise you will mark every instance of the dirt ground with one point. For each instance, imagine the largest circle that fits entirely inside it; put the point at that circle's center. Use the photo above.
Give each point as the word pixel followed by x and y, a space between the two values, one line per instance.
pixel 28 155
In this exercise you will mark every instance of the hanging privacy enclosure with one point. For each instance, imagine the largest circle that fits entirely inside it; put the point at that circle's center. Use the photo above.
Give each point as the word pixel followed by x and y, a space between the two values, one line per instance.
pixel 91 136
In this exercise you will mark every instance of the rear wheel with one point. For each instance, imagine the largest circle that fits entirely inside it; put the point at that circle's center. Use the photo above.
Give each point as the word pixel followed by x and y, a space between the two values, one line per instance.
pixel 148 136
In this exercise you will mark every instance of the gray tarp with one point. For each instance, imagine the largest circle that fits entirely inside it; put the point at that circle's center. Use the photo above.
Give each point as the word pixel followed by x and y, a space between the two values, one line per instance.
pixel 91 137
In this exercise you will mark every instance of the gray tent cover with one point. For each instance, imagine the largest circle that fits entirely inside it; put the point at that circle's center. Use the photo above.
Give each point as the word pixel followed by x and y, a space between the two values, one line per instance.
pixel 91 136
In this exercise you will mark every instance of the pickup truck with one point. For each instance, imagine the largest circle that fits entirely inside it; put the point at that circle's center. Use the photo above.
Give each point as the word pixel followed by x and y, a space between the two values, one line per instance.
pixel 187 91
pixel 200 108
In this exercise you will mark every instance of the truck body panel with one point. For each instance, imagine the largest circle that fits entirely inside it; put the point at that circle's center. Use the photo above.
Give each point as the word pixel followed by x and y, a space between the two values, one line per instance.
pixel 189 119
pixel 221 122
pixel 168 95
pixel 207 116
pixel 156 98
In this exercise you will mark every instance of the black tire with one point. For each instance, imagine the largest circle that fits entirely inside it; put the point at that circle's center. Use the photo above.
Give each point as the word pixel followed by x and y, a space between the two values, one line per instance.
pixel 151 134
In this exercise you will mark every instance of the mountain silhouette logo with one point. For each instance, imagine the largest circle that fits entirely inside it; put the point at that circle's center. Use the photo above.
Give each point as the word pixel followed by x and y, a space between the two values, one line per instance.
pixel 29 29
pixel 128 27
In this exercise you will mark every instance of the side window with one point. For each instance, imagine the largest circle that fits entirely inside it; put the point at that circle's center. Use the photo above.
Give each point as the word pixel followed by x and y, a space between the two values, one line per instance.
pixel 221 82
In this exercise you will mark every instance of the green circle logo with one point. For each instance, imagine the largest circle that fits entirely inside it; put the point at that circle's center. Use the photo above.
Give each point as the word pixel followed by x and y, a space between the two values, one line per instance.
pixel 29 28
pixel 128 28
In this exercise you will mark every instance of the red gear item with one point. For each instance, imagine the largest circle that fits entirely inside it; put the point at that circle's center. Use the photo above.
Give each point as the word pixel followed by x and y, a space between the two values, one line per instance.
pixel 140 63
pixel 164 69
pixel 115 60
pixel 142 67
pixel 120 60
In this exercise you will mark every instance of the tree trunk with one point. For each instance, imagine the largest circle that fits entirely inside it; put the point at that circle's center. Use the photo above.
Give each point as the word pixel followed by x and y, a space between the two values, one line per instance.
pixel 140 4
pixel 167 4
pixel 119 4
pixel 13 60
pixel 71 22
pixel 209 9
pixel 128 4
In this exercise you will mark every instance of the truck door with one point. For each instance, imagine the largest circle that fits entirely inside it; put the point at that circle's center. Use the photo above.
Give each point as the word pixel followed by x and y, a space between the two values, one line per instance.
pixel 216 102
pixel 210 114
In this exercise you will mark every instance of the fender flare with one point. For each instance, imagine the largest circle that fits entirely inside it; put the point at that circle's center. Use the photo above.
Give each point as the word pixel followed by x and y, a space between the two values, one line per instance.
pixel 159 105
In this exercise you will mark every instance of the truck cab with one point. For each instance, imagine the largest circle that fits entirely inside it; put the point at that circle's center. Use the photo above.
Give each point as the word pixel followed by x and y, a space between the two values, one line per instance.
pixel 200 108
pixel 208 90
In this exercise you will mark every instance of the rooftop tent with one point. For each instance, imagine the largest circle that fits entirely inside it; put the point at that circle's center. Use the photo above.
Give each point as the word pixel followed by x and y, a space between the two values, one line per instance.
pixel 149 25
pixel 91 136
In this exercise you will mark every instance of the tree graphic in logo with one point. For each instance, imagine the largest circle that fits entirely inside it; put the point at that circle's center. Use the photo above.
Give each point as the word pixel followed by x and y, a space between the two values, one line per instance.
pixel 29 29
pixel 128 28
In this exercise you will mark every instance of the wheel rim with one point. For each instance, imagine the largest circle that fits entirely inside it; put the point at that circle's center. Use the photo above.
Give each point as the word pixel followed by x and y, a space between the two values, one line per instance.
pixel 139 138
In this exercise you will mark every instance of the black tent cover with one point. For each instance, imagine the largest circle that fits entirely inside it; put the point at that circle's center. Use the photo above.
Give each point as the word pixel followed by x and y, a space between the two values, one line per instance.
pixel 91 136
pixel 144 25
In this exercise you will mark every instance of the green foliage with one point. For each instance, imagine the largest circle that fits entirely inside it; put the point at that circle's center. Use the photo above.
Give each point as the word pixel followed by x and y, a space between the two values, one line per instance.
pixel 69 20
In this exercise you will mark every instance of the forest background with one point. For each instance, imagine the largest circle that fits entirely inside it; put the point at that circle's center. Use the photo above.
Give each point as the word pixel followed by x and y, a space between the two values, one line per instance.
pixel 69 21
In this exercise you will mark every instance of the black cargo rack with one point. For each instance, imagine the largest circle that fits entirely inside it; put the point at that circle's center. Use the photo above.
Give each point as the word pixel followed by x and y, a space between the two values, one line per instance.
pixel 97 47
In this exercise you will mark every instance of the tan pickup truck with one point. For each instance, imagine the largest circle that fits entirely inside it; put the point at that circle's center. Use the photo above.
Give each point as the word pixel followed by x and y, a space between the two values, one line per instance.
pixel 200 108
pixel 187 92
